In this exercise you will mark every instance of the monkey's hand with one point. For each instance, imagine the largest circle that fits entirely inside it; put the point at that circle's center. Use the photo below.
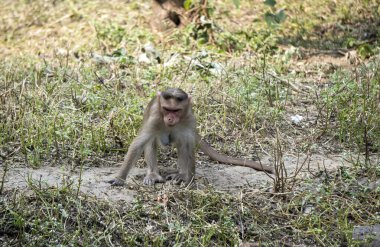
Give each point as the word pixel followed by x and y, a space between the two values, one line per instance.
pixel 152 178
pixel 116 182
pixel 178 178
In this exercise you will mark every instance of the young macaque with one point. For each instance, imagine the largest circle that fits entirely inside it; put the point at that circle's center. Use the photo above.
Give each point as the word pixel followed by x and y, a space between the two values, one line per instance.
pixel 168 119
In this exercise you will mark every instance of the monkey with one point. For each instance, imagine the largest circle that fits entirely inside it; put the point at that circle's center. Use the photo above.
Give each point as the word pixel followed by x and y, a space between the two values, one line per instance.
pixel 168 119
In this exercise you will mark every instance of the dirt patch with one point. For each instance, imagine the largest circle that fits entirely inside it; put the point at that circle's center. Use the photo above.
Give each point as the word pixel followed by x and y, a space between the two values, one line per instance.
pixel 93 180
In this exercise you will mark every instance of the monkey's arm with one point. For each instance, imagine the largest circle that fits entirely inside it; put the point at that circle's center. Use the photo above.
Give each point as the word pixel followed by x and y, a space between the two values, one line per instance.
pixel 207 149
pixel 134 153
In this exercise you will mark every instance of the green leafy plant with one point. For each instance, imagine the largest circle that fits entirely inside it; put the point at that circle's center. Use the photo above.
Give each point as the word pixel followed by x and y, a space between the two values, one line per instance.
pixel 274 17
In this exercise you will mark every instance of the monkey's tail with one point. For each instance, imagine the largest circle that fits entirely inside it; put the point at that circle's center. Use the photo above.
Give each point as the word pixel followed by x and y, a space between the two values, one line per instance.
pixel 207 149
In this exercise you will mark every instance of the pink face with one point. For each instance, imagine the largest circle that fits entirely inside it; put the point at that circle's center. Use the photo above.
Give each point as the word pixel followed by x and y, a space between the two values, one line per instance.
pixel 172 116
pixel 173 109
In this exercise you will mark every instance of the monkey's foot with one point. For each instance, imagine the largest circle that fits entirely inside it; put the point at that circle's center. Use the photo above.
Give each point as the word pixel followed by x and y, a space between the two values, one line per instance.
pixel 116 182
pixel 152 178
pixel 178 178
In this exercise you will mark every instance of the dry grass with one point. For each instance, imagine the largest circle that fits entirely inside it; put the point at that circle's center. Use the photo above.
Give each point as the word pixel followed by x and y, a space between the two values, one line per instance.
pixel 72 91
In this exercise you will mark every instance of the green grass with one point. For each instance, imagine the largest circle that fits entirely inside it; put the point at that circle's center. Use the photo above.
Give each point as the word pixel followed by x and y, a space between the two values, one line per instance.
pixel 351 105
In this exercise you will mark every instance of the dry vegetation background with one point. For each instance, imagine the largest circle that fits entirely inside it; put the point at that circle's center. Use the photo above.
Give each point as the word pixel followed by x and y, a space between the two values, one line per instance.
pixel 302 94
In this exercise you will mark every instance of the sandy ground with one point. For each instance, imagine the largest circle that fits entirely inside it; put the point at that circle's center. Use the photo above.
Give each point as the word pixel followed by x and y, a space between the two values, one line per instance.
pixel 93 180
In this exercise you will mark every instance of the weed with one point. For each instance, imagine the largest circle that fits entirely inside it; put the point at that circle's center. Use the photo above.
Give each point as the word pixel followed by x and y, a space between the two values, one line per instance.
pixel 350 105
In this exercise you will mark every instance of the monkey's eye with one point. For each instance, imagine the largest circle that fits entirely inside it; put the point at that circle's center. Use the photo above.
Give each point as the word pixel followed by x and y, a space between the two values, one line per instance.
pixel 179 98
pixel 166 96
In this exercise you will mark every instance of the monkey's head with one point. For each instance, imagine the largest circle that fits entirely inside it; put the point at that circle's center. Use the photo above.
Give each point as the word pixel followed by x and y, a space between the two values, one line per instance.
pixel 174 105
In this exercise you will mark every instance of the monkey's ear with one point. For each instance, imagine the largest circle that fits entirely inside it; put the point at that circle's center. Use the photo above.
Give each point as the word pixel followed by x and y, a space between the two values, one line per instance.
pixel 190 99
pixel 158 94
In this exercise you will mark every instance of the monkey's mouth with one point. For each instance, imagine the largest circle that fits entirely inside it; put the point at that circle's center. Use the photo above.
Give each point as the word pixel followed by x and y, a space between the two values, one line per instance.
pixel 171 110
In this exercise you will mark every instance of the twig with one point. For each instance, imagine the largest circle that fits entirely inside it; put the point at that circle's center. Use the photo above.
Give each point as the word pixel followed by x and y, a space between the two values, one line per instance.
pixel 292 85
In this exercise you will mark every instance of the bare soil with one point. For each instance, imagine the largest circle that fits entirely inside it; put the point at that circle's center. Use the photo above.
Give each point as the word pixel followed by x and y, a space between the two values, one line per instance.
pixel 93 180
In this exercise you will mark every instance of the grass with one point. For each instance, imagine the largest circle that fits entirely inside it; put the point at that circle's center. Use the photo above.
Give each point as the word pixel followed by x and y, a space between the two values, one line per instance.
pixel 322 214
pixel 72 92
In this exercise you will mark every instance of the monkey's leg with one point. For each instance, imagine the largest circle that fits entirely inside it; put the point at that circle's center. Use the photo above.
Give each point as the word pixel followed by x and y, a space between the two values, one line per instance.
pixel 152 176
pixel 186 160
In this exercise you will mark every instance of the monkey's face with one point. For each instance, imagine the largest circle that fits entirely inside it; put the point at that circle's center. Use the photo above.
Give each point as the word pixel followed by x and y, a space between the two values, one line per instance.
pixel 172 112
pixel 173 108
